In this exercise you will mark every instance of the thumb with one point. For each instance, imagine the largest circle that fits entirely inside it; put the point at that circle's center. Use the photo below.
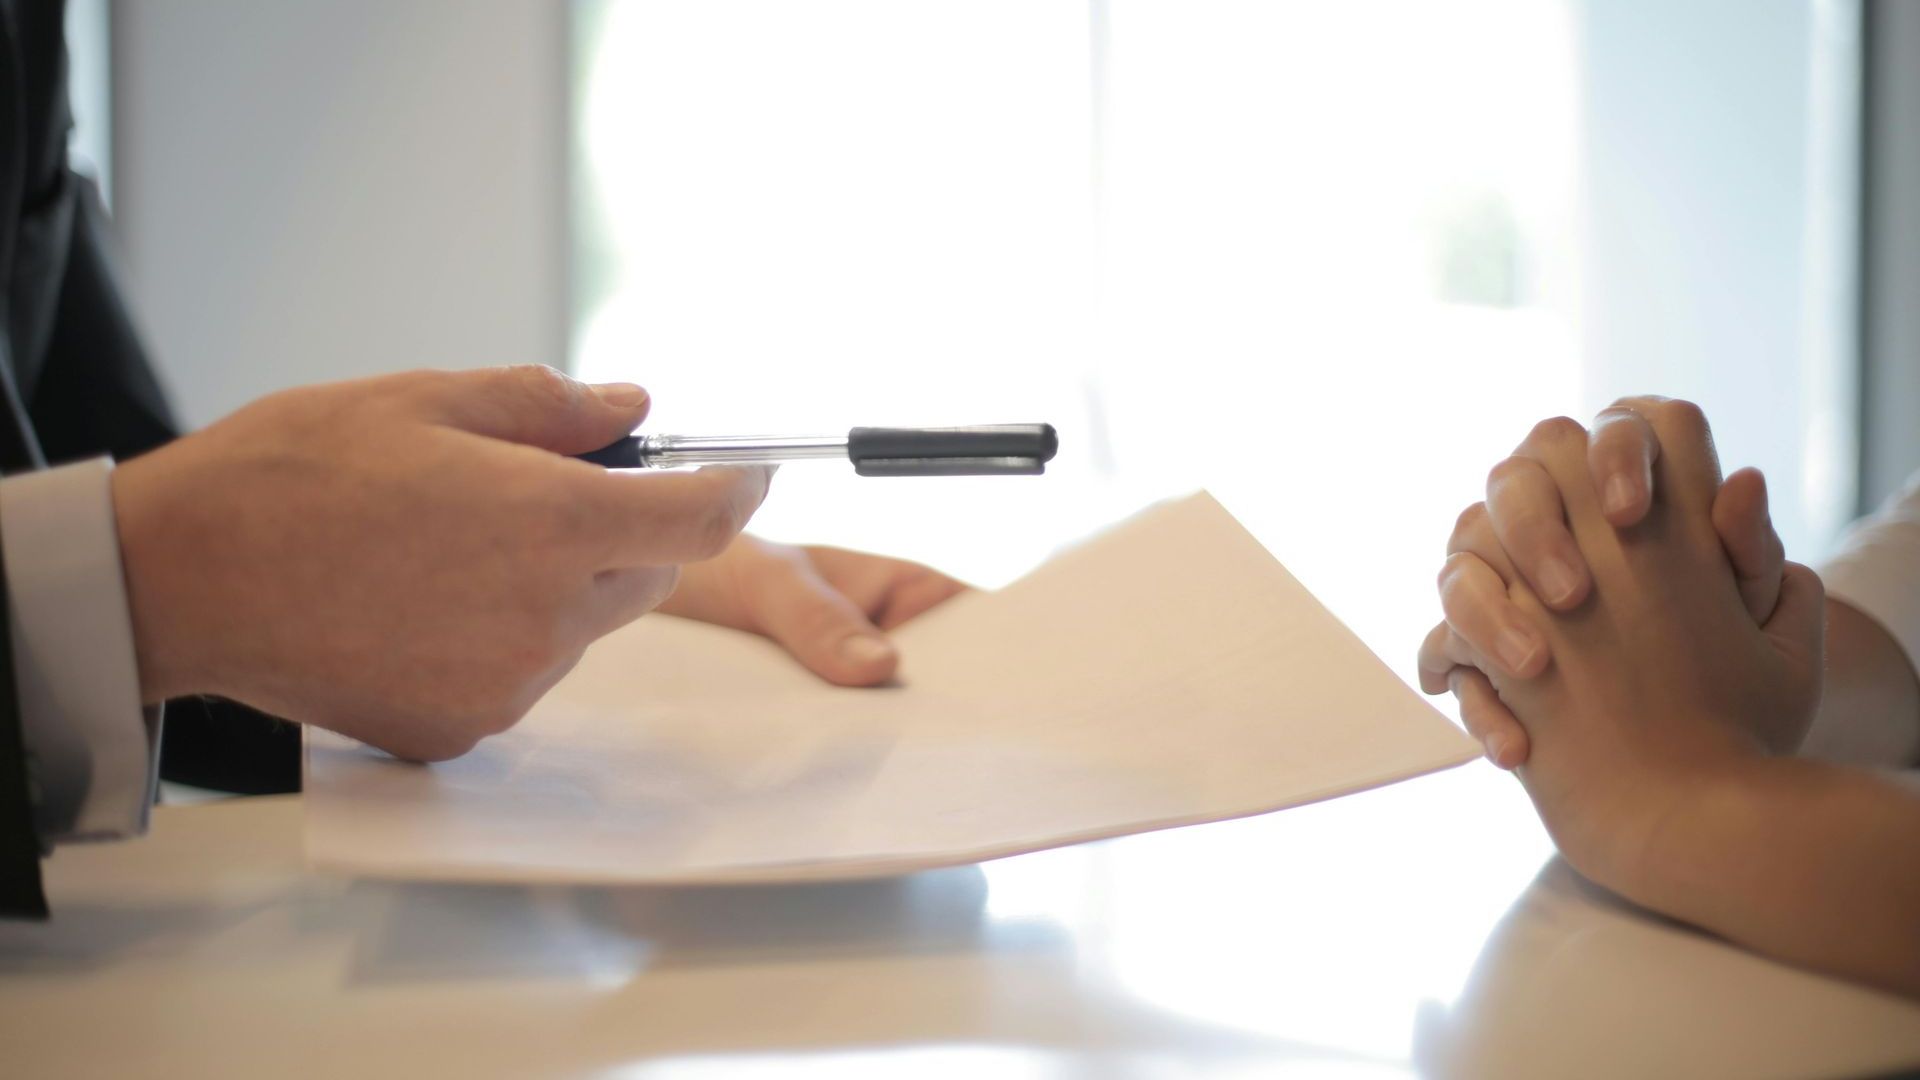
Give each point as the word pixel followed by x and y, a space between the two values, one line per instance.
pixel 1797 633
pixel 820 626
pixel 538 406
pixel 1746 532
pixel 1799 623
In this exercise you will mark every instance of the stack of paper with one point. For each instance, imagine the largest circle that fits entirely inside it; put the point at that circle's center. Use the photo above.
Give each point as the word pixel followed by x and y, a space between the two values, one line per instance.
pixel 1165 673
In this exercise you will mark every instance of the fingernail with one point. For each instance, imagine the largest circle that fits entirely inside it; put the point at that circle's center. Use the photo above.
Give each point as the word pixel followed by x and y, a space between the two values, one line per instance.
pixel 1620 494
pixel 1495 745
pixel 621 395
pixel 1516 649
pixel 866 651
pixel 1557 581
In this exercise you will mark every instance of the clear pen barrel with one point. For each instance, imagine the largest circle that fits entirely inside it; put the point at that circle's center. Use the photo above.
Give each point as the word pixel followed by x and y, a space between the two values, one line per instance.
pixel 672 451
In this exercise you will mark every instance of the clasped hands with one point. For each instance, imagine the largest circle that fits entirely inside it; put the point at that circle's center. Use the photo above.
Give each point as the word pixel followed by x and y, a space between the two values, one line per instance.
pixel 1622 628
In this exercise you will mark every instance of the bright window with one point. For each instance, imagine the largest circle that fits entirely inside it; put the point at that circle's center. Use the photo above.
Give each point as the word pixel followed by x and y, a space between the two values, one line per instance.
pixel 1327 259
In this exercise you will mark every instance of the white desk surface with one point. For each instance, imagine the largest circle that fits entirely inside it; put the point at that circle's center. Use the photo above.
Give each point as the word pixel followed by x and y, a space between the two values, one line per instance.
pixel 1422 929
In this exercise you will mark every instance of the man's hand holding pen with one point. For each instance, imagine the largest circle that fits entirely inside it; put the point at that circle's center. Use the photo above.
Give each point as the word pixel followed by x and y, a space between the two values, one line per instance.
pixel 409 560
pixel 413 560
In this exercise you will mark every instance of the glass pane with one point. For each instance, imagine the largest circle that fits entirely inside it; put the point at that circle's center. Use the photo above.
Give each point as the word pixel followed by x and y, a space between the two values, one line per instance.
pixel 1329 260
pixel 1339 266
pixel 808 216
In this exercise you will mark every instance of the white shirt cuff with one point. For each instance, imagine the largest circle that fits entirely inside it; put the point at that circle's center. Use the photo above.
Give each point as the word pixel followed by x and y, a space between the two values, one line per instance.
pixel 92 750
pixel 1877 570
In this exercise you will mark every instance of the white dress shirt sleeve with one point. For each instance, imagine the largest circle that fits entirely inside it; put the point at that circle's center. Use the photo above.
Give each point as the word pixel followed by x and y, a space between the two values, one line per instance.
pixel 1877 569
pixel 92 751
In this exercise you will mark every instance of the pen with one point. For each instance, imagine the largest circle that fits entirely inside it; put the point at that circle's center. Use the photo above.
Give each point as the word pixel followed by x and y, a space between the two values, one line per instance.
pixel 989 450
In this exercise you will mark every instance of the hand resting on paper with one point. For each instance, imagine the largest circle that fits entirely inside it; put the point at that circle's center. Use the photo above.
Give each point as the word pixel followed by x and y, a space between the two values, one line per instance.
pixel 1657 711
pixel 827 606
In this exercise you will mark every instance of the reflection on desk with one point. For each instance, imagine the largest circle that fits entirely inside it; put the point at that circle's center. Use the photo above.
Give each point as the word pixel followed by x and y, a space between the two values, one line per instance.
pixel 1419 929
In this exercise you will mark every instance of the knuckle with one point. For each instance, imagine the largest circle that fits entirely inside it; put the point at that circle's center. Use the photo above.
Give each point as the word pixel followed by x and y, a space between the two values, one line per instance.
pixel 1452 577
pixel 1685 414
pixel 1634 405
pixel 1509 470
pixel 1556 431
pixel 1752 477
pixel 1469 524
pixel 417 382
pixel 1526 533
pixel 1470 518
pixel 1471 610
pixel 1501 473
pixel 434 390
pixel 544 384
pixel 427 378
pixel 1616 421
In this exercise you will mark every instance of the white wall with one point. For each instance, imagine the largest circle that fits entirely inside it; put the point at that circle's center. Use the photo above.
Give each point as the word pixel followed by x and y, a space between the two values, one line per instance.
pixel 1891 334
pixel 1717 243
pixel 89 92
pixel 310 191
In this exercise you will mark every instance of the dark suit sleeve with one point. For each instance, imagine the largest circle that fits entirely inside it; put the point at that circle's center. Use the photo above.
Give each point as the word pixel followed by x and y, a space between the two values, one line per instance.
pixel 98 395
pixel 75 383
pixel 21 894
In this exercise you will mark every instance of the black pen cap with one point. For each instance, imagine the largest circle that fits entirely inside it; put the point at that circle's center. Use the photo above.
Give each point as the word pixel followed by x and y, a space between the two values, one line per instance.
pixel 1035 441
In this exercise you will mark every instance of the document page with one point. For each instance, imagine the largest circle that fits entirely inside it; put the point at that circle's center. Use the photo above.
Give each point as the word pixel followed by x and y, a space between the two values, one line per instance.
pixel 1166 672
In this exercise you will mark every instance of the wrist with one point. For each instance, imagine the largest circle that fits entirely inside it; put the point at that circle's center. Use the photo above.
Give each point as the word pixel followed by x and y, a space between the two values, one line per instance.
pixel 1671 868
pixel 156 588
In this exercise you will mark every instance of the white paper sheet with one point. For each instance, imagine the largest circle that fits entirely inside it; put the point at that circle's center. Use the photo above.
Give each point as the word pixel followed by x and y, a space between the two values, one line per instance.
pixel 1167 672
